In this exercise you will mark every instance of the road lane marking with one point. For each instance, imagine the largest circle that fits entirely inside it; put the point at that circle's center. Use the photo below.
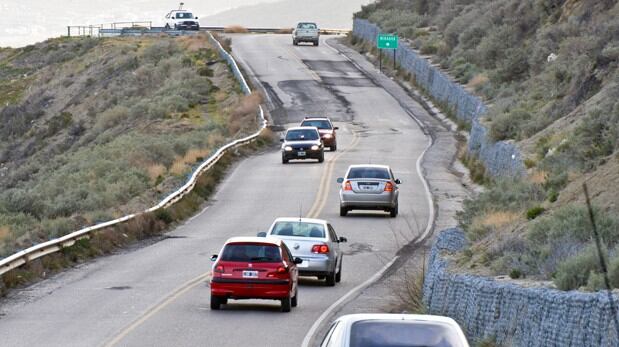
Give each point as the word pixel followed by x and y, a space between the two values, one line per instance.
pixel 178 292
pixel 325 181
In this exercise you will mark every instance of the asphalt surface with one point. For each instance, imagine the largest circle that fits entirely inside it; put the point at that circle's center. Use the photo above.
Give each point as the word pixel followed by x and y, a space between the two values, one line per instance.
pixel 157 295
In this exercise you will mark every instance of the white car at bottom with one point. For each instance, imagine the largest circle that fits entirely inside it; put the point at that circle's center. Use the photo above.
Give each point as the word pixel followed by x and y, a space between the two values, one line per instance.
pixel 394 330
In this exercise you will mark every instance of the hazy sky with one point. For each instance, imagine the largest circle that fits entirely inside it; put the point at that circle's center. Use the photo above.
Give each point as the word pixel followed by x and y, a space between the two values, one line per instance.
pixel 30 21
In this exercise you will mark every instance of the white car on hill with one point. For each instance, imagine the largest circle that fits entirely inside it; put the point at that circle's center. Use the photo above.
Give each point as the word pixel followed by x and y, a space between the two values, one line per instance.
pixel 181 20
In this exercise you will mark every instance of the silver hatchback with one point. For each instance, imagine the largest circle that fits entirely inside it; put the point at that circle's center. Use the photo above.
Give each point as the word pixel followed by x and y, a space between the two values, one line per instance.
pixel 369 187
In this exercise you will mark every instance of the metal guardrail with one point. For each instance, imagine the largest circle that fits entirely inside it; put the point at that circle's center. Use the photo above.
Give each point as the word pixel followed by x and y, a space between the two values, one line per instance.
pixel 37 251
pixel 96 30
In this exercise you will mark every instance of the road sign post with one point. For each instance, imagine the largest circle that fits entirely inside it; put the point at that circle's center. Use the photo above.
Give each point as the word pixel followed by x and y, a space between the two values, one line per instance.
pixel 386 41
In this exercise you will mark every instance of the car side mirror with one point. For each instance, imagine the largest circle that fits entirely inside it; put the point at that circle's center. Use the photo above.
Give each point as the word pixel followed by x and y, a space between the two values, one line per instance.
pixel 340 180
pixel 213 257
pixel 262 234
pixel 343 239
pixel 397 181
pixel 336 128
pixel 196 17
pixel 281 140
pixel 298 260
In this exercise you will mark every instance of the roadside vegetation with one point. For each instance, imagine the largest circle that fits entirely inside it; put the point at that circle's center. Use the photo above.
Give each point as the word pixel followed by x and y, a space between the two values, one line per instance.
pixel 549 71
pixel 93 129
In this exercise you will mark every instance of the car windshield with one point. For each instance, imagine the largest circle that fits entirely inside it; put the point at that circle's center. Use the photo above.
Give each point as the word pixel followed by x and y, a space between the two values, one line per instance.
pixel 388 333
pixel 256 253
pixel 185 15
pixel 368 172
pixel 307 26
pixel 302 135
pixel 320 124
pixel 299 229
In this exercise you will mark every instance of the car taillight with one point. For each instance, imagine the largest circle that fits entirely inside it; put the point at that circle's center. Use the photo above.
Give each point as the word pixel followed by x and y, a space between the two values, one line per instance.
pixel 347 186
pixel 281 270
pixel 320 249
pixel 219 269
pixel 388 187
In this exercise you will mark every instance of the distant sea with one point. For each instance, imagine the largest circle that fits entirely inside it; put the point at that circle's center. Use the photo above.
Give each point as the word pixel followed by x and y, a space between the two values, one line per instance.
pixel 26 22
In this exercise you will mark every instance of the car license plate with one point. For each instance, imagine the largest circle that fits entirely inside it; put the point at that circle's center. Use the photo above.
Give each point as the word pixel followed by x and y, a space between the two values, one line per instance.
pixel 250 274
pixel 305 263
pixel 301 154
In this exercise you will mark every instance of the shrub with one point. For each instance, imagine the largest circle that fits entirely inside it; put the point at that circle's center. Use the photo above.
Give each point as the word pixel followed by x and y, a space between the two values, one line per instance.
pixel 515 274
pixel 574 272
pixel 534 212
pixel 613 271
pixel 508 125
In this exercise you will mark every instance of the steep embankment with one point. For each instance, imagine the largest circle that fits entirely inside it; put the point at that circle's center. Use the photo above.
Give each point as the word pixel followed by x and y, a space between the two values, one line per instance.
pixel 92 129
pixel 548 71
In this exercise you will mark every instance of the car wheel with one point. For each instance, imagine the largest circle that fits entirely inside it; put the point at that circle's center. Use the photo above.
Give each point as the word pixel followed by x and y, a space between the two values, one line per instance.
pixel 343 211
pixel 295 43
pixel 286 304
pixel 216 302
pixel 315 43
pixel 295 299
pixel 330 281
pixel 394 211
pixel 322 157
pixel 167 26
pixel 333 148
pixel 338 277
pixel 284 160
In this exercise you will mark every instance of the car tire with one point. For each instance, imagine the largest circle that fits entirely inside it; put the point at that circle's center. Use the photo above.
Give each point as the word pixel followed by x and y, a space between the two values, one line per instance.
pixel 333 148
pixel 394 211
pixel 284 160
pixel 338 276
pixel 295 299
pixel 216 302
pixel 167 26
pixel 330 280
pixel 322 157
pixel 343 211
pixel 286 304
pixel 315 43
pixel 295 43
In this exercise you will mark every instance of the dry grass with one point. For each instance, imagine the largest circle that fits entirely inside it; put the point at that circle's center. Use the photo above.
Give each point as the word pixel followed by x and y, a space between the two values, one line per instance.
pixel 191 156
pixel 409 290
pixel 244 114
pixel 235 29
pixel 284 31
pixel 155 170
pixel 4 232
pixel 478 81
pixel 538 177
pixel 194 43
pixel 496 219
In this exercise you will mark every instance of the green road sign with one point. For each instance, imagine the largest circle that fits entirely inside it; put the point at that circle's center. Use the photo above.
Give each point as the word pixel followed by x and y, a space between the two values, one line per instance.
pixel 387 41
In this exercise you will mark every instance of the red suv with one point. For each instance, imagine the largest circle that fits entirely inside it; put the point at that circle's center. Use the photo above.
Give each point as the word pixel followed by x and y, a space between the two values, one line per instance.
pixel 325 128
pixel 255 268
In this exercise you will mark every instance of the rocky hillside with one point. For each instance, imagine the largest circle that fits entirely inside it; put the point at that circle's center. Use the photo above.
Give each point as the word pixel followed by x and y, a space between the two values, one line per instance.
pixel 92 129
pixel 549 71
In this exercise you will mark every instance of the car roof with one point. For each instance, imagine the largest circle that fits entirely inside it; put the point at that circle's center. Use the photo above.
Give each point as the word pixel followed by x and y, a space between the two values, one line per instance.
pixel 351 318
pixel 369 165
pixel 301 128
pixel 317 118
pixel 302 220
pixel 254 239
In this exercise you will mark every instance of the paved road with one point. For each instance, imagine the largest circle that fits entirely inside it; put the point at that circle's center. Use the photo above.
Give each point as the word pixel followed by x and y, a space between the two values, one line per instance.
pixel 156 295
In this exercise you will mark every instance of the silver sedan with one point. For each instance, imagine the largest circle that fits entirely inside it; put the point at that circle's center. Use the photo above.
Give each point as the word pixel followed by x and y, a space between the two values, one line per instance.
pixel 369 187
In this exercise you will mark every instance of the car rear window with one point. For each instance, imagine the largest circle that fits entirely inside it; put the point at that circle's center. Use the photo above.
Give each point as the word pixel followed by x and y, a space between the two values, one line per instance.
pixel 369 172
pixel 307 26
pixel 389 333
pixel 320 124
pixel 299 229
pixel 184 15
pixel 301 135
pixel 255 253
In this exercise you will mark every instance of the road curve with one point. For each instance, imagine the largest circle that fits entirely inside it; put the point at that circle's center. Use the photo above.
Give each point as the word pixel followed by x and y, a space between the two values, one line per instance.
pixel 156 295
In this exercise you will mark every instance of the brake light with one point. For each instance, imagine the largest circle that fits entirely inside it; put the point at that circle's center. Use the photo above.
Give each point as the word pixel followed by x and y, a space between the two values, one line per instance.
pixel 281 270
pixel 219 269
pixel 388 187
pixel 347 186
pixel 320 249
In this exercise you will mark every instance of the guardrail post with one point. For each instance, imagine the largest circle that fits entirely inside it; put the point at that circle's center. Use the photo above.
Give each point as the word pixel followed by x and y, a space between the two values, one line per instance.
pixel 68 31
